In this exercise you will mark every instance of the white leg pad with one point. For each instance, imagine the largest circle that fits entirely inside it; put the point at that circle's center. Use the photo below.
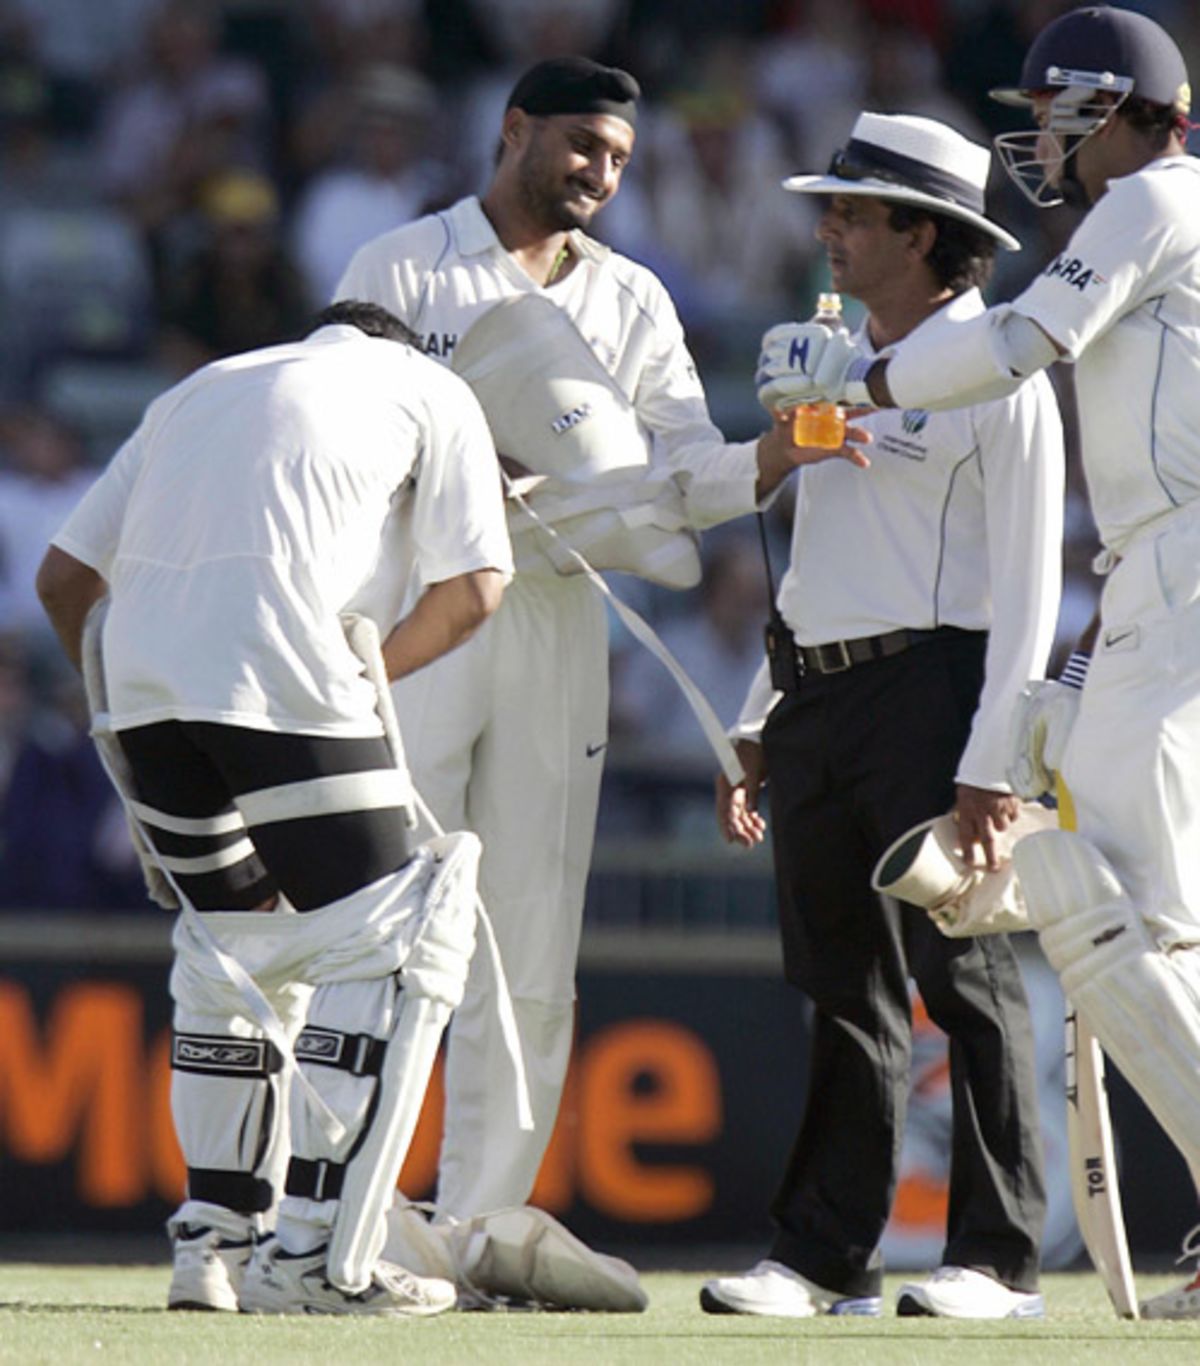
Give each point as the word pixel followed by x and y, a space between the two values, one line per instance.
pixel 1140 1002
pixel 359 1226
pixel 368 1048
pixel 226 1120
pixel 228 1099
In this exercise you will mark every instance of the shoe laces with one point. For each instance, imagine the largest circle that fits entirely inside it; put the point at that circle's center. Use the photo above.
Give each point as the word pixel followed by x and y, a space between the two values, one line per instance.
pixel 398 1281
pixel 1191 1247
pixel 950 1273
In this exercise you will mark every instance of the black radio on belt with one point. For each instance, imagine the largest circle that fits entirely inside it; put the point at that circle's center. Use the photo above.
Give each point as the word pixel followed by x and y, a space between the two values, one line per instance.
pixel 782 659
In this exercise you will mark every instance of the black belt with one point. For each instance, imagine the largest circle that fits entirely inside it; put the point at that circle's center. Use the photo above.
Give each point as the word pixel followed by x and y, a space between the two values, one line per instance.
pixel 839 655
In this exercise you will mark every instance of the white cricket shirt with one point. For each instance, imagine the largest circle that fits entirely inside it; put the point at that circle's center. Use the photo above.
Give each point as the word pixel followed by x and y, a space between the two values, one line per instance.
pixel 958 522
pixel 1123 298
pixel 440 273
pixel 246 512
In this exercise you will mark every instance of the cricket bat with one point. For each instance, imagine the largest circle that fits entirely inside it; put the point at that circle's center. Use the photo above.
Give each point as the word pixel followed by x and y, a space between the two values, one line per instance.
pixel 1095 1192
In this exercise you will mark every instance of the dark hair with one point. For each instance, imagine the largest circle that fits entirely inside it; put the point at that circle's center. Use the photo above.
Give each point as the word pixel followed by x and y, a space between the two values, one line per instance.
pixel 369 318
pixel 1155 122
pixel 962 255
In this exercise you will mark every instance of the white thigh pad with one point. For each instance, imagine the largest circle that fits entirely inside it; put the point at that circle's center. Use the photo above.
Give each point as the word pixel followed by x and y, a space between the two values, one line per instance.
pixel 548 400
pixel 1140 1004
pixel 438 960
pixel 365 935
pixel 635 525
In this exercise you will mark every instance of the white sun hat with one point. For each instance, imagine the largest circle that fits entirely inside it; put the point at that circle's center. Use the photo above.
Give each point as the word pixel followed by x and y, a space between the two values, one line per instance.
pixel 907 159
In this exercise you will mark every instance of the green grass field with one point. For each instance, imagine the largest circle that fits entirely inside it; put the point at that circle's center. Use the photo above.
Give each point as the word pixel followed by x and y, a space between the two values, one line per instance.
pixel 108 1314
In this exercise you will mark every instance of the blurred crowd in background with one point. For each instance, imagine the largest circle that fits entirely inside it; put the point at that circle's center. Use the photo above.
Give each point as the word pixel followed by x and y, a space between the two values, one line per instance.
pixel 183 179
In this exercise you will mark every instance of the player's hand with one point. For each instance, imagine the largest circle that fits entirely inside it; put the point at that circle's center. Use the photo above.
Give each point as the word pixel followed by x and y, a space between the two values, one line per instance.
pixel 805 363
pixel 1041 726
pixel 737 806
pixel 980 815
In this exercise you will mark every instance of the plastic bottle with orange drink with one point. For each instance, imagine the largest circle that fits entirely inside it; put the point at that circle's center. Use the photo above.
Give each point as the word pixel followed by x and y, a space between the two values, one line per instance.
pixel 822 425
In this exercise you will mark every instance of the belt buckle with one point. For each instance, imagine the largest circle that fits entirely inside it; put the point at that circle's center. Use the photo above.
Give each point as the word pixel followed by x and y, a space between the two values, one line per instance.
pixel 838 662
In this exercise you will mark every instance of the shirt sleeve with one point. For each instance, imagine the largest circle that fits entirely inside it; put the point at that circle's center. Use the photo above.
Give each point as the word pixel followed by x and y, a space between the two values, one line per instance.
pixel 458 517
pixel 93 530
pixel 1130 246
pixel 1021 449
pixel 717 478
pixel 373 277
pixel 760 700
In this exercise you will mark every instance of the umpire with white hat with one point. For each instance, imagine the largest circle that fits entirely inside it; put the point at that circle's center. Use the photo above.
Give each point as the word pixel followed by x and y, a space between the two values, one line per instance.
pixel 920 595
pixel 1116 899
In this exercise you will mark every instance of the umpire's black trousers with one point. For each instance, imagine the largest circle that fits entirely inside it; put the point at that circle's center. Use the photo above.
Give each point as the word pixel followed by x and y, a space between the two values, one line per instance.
pixel 854 759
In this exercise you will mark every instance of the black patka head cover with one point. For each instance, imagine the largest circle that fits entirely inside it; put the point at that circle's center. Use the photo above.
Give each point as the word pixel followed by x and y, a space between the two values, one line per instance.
pixel 576 85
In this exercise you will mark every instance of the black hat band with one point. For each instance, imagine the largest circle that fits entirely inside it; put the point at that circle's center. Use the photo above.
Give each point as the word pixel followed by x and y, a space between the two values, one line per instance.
pixel 865 160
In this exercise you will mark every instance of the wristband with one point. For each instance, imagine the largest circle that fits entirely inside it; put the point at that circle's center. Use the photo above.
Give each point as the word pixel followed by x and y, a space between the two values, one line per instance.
pixel 855 393
pixel 1075 670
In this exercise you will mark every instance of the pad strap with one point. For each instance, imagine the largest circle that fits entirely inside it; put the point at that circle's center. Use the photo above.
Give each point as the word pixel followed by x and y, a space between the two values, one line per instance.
pixel 240 1191
pixel 359 1054
pixel 204 827
pixel 219 1055
pixel 317 1179
pixel 198 864
pixel 371 790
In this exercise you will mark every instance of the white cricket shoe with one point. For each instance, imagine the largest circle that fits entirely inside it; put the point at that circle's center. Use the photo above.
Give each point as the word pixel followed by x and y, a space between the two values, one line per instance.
pixel 956 1292
pixel 1184 1301
pixel 208 1268
pixel 1181 1303
pixel 771 1288
pixel 278 1282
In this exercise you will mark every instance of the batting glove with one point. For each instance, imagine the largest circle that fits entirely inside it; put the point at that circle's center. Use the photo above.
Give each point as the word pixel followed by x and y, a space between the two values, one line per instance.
pixel 1041 726
pixel 807 363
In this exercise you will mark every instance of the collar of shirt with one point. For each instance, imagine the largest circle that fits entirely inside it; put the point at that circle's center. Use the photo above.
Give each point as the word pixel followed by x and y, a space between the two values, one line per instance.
pixel 473 232
pixel 968 304
pixel 335 332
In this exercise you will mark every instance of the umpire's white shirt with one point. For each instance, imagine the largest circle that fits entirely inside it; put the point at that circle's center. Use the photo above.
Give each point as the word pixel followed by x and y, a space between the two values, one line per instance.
pixel 442 272
pixel 1124 298
pixel 958 522
pixel 246 511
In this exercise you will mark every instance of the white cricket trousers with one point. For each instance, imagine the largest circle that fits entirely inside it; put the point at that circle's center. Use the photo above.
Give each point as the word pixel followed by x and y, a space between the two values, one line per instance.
pixel 1133 760
pixel 505 737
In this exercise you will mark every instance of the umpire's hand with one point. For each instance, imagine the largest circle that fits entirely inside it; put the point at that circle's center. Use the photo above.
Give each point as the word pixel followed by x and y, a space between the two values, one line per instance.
pixel 980 813
pixel 737 806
